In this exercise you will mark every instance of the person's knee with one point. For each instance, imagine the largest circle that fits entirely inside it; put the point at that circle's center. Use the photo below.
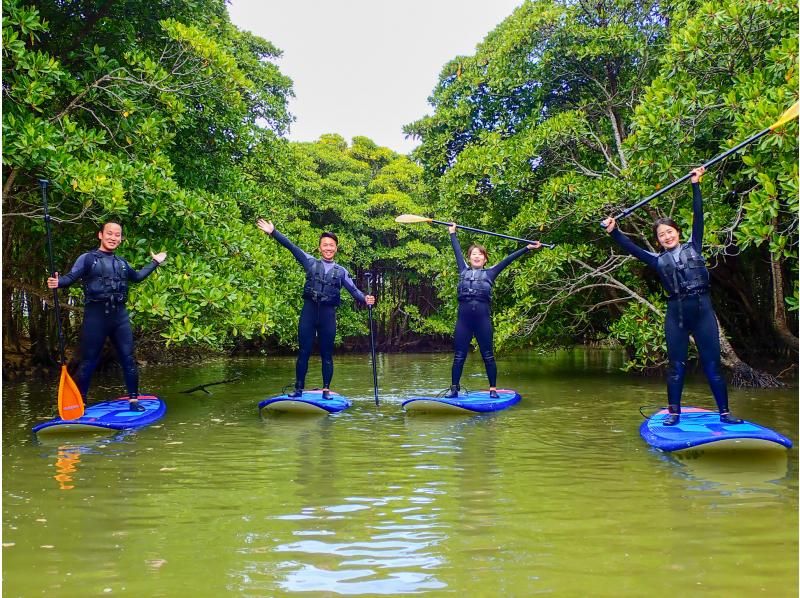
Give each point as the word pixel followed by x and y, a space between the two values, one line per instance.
pixel 676 371
pixel 713 371
pixel 128 361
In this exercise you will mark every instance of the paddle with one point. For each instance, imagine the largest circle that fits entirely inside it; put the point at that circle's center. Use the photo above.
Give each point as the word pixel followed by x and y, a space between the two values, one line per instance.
pixel 372 339
pixel 411 219
pixel 70 401
pixel 204 386
pixel 790 114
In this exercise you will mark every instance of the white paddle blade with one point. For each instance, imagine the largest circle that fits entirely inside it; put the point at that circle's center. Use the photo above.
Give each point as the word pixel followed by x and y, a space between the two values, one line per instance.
pixel 411 218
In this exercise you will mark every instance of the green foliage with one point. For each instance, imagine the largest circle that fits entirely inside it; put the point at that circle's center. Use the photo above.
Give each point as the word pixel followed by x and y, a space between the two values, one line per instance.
pixel 569 111
pixel 154 130
pixel 172 119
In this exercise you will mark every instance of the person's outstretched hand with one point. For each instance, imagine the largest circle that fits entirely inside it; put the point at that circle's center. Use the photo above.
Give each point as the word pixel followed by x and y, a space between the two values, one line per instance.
pixel 265 225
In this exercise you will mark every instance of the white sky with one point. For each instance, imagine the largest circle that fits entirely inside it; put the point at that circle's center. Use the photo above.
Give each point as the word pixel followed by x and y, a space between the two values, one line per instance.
pixel 366 67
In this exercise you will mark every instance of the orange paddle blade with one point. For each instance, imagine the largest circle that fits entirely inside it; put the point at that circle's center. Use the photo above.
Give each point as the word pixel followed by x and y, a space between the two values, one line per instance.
pixel 70 402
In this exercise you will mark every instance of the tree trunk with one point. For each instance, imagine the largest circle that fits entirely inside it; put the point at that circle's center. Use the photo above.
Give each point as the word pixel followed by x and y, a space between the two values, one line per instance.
pixel 744 376
pixel 779 306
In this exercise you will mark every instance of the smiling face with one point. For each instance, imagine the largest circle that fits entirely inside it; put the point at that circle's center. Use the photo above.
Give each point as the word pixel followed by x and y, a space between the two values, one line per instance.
pixel 110 237
pixel 668 236
pixel 328 248
pixel 477 258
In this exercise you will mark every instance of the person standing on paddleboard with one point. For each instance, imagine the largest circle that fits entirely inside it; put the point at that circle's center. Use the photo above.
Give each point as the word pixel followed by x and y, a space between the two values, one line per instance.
pixel 683 273
pixel 475 284
pixel 105 278
pixel 321 296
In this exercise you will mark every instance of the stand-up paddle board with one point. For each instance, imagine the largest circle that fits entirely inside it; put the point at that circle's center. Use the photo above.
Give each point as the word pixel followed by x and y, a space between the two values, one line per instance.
pixel 472 402
pixel 107 417
pixel 310 403
pixel 700 427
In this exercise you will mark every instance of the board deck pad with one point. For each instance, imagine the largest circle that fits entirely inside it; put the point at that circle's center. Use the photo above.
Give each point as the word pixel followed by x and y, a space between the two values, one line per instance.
pixel 310 403
pixel 472 402
pixel 107 417
pixel 701 427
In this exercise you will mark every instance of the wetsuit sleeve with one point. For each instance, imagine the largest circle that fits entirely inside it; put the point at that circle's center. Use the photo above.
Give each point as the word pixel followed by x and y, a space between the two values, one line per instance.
pixel 140 275
pixel 499 267
pixel 460 263
pixel 352 289
pixel 300 255
pixel 698 223
pixel 629 246
pixel 75 274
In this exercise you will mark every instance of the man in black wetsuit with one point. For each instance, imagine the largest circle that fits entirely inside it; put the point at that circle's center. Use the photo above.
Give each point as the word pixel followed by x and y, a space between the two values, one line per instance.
pixel 321 296
pixel 475 283
pixel 105 279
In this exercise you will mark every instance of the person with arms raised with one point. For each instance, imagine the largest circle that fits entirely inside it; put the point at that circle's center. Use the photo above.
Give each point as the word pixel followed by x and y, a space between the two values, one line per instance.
pixel 475 283
pixel 683 273
pixel 321 297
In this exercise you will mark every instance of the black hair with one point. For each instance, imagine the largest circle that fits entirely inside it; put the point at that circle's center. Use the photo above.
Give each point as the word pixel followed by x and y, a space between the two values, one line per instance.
pixel 109 221
pixel 665 222
pixel 330 236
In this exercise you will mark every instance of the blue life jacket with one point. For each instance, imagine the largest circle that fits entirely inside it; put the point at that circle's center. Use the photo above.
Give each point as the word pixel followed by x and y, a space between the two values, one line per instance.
pixel 321 287
pixel 475 285
pixel 687 275
pixel 105 278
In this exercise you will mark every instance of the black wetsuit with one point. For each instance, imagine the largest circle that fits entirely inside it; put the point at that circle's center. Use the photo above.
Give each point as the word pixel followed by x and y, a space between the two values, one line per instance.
pixel 475 312
pixel 324 281
pixel 689 310
pixel 105 278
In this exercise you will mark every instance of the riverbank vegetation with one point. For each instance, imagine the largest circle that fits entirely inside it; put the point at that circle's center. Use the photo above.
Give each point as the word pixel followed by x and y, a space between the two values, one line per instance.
pixel 175 121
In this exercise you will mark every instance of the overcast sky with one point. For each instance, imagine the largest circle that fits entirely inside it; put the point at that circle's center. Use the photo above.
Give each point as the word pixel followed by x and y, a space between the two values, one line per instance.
pixel 366 67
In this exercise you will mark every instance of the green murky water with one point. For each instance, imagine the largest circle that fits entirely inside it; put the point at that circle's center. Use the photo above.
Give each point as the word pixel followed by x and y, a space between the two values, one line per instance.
pixel 558 495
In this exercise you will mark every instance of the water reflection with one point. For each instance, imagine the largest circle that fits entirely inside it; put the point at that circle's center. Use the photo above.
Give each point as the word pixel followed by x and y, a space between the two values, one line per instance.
pixel 557 495
pixel 66 465
pixel 744 472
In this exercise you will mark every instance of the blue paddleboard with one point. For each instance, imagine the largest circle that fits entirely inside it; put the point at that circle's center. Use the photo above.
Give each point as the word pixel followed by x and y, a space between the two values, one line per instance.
pixel 472 402
pixel 310 403
pixel 107 417
pixel 700 427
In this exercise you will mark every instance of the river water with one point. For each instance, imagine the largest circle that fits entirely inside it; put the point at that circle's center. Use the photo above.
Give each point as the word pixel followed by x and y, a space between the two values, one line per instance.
pixel 557 495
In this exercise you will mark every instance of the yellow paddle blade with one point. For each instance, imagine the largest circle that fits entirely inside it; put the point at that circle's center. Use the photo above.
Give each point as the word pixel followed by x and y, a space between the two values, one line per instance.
pixel 70 402
pixel 790 114
pixel 410 218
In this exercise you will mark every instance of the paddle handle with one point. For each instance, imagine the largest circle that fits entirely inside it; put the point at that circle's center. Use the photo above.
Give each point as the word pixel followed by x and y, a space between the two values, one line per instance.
pixel 628 211
pixel 488 232
pixel 43 183
pixel 372 340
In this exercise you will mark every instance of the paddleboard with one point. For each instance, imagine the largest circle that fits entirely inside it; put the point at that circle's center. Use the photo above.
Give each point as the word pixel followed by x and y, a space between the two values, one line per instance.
pixel 310 403
pixel 472 402
pixel 701 427
pixel 107 418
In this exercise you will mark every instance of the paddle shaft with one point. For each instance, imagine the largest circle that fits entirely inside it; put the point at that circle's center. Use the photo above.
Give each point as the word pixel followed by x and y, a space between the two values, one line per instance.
pixel 372 340
pixel 486 232
pixel 43 185
pixel 710 163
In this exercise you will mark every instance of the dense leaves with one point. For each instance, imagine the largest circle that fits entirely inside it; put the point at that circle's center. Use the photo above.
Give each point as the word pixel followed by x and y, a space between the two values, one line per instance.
pixel 570 111
pixel 170 118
